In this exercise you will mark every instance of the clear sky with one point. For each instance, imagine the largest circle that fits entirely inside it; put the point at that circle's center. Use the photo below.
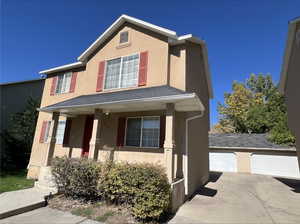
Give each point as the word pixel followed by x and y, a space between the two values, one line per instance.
pixel 242 36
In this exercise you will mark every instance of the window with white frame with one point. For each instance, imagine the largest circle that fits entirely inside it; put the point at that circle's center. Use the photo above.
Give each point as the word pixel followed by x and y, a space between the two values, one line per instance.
pixel 143 132
pixel 60 132
pixel 122 72
pixel 63 83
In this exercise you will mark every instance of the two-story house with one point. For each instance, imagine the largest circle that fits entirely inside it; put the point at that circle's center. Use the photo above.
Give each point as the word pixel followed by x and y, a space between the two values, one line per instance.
pixel 139 93
pixel 290 79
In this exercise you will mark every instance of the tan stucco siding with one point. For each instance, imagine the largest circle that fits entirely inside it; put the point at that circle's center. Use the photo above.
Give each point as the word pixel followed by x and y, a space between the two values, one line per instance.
pixel 109 127
pixel 177 67
pixel 139 40
pixel 292 87
pixel 293 92
pixel 198 157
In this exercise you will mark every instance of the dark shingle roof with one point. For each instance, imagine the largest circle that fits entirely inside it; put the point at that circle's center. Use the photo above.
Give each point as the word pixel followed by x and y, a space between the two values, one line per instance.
pixel 243 140
pixel 119 96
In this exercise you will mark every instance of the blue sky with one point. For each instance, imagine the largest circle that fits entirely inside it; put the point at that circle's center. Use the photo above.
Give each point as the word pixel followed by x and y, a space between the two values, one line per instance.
pixel 243 37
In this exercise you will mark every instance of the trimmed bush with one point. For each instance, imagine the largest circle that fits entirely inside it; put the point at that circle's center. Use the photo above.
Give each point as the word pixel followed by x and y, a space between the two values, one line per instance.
pixel 144 187
pixel 76 178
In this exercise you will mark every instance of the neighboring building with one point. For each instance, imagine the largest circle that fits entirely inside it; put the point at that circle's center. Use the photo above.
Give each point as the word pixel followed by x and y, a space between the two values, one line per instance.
pixel 139 93
pixel 290 79
pixel 14 96
pixel 251 153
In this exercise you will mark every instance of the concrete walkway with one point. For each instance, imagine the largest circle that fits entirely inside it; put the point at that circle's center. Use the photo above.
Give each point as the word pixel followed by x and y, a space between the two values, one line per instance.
pixel 47 216
pixel 243 198
pixel 16 202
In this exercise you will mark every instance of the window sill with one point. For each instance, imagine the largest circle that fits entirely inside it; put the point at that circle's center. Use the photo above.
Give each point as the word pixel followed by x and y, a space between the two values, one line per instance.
pixel 123 45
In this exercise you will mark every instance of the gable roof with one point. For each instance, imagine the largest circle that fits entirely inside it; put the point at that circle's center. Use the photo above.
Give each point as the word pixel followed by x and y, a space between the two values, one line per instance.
pixel 243 141
pixel 287 54
pixel 119 22
pixel 173 40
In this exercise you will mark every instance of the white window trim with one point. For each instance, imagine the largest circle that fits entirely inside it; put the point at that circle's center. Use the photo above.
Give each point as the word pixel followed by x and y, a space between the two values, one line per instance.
pixel 64 80
pixel 120 73
pixel 63 133
pixel 141 138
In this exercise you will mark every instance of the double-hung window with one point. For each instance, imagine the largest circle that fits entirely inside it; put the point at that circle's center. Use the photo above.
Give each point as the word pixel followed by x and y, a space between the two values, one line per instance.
pixel 63 83
pixel 122 72
pixel 60 132
pixel 143 132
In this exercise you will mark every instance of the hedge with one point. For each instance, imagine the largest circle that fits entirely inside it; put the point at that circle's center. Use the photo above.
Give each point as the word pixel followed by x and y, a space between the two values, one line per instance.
pixel 143 187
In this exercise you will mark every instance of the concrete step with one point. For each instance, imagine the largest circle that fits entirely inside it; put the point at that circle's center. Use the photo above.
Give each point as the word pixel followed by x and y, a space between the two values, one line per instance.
pixel 16 202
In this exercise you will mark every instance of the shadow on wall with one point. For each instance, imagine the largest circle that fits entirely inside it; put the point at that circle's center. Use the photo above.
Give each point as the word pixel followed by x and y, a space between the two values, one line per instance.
pixel 292 183
pixel 206 191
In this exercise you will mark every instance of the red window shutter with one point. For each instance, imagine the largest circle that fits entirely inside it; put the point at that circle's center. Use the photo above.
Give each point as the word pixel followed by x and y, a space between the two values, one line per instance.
pixel 162 131
pixel 100 79
pixel 143 68
pixel 44 126
pixel 121 131
pixel 73 82
pixel 53 86
pixel 66 140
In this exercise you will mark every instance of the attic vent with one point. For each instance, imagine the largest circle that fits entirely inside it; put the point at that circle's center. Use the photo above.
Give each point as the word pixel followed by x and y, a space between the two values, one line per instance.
pixel 124 37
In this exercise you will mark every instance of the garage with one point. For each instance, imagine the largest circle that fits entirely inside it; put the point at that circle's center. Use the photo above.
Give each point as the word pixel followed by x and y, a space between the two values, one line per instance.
pixel 275 165
pixel 222 161
pixel 252 153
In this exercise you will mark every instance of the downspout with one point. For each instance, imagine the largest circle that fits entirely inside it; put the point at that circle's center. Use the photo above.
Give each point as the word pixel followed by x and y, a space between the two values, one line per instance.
pixel 187 149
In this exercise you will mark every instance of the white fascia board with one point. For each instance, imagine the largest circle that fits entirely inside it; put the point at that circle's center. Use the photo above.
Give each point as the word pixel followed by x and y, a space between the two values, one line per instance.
pixel 287 55
pixel 116 25
pixel 62 68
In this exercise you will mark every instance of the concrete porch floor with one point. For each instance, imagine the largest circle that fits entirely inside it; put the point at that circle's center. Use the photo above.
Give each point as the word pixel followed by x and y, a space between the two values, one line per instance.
pixel 243 198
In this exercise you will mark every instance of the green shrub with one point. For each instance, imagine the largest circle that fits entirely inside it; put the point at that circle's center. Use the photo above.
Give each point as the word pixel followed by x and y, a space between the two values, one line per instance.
pixel 144 187
pixel 76 178
pixel 280 133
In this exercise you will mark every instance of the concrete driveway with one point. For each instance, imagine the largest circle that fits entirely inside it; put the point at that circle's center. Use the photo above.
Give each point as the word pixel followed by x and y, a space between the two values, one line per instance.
pixel 243 198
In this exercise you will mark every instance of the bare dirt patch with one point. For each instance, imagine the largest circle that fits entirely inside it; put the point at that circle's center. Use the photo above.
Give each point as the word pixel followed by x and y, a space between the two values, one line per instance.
pixel 99 211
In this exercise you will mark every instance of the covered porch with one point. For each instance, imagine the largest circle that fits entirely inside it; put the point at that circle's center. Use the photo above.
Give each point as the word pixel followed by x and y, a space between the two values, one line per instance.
pixel 140 125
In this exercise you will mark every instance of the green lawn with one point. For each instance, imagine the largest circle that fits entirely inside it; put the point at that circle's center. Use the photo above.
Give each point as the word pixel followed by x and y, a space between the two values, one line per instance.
pixel 14 181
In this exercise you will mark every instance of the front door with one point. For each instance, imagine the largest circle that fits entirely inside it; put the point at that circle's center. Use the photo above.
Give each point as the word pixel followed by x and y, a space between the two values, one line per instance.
pixel 88 129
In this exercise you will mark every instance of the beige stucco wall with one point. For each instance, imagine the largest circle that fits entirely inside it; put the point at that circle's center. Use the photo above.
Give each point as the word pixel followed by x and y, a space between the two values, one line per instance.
pixel 292 92
pixel 198 128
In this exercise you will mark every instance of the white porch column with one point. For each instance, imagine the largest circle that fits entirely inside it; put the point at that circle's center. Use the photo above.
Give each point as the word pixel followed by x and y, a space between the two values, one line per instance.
pixel 96 135
pixel 52 136
pixel 169 144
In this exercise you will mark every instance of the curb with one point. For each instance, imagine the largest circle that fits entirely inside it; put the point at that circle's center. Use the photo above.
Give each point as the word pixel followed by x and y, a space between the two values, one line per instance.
pixel 23 209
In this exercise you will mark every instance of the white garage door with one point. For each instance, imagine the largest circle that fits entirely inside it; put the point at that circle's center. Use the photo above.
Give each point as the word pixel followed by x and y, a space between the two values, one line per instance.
pixel 222 161
pixel 275 165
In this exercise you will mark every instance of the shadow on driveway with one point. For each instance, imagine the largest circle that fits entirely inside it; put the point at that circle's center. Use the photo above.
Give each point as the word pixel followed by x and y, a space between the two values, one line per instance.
pixel 292 183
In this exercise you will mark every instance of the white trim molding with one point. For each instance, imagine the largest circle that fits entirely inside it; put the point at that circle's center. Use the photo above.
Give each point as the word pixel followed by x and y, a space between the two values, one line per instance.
pixel 63 67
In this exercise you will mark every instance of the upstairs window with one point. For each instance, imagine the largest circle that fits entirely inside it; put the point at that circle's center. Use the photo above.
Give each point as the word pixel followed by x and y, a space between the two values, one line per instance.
pixel 123 37
pixel 63 83
pixel 122 72
pixel 143 132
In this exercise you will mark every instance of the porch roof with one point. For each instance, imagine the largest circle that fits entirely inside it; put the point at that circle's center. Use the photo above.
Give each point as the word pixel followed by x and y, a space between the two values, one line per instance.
pixel 141 99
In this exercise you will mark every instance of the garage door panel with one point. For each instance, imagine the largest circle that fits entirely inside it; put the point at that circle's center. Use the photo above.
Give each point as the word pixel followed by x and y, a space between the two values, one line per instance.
pixel 219 161
pixel 275 165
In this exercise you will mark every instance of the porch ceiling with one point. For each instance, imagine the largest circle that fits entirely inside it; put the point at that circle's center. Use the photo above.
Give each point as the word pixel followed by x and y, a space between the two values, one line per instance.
pixel 143 99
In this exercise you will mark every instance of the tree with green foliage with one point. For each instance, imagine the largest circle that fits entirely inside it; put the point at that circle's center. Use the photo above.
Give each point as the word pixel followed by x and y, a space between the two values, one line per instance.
pixel 17 140
pixel 255 106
